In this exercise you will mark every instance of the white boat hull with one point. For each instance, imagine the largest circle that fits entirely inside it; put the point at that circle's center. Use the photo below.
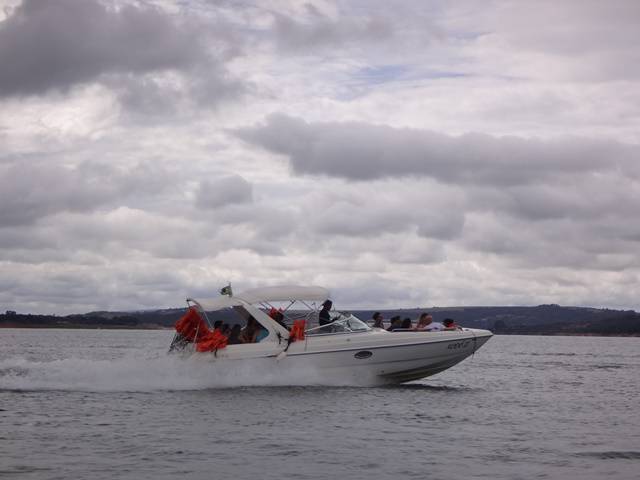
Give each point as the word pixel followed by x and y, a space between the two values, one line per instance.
pixel 368 357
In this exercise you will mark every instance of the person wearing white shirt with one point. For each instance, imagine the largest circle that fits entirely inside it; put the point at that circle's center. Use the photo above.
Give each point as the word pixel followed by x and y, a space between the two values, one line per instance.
pixel 426 324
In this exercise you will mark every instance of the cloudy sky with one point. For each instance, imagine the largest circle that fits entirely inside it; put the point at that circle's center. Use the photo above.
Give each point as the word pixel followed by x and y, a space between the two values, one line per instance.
pixel 424 153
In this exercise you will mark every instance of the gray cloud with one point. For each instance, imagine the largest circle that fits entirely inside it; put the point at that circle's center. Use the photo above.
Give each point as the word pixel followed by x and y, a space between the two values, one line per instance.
pixel 33 190
pixel 425 209
pixel 592 40
pixel 56 45
pixel 224 191
pixel 360 151
pixel 28 193
pixel 556 203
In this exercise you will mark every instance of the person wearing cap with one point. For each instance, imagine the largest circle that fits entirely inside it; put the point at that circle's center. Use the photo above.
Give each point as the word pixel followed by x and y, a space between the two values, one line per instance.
pixel 323 316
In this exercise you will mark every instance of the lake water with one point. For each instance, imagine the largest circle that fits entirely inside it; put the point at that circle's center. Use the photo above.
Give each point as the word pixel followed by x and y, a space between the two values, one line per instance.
pixel 106 404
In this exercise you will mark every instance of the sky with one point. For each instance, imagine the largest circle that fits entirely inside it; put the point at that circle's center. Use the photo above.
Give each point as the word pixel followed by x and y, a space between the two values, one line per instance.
pixel 420 153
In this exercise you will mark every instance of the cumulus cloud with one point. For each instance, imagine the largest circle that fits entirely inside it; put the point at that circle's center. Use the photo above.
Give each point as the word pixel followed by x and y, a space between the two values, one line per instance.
pixel 56 45
pixel 31 190
pixel 223 191
pixel 361 151
pixel 27 194
pixel 538 202
pixel 426 209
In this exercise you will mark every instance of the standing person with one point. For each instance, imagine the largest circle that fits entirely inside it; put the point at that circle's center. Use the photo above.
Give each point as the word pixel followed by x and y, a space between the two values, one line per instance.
pixel 378 320
pixel 323 316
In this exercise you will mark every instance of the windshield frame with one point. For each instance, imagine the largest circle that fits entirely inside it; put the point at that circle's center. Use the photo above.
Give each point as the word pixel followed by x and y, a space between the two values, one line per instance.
pixel 340 320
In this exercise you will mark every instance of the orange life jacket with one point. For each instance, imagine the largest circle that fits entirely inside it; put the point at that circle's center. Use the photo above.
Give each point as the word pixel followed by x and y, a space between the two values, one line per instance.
pixel 191 325
pixel 212 341
pixel 297 330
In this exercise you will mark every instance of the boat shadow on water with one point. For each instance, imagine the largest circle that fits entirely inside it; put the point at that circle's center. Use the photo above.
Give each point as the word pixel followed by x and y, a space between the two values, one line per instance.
pixel 429 388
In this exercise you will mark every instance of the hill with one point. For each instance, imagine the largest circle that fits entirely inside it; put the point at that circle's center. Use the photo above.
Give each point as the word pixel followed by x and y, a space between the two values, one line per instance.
pixel 538 320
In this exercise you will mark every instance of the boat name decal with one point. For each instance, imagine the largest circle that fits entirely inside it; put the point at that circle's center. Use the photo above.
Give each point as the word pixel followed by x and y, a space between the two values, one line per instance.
pixel 457 345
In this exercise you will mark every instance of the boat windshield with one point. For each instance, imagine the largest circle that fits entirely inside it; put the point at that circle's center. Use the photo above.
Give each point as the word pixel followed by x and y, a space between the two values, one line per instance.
pixel 342 322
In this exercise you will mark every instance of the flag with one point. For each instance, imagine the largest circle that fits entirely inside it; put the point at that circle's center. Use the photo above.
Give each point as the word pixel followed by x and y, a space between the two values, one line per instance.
pixel 226 290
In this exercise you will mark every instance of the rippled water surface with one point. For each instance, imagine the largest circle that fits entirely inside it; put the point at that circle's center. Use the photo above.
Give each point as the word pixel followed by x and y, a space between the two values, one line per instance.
pixel 106 404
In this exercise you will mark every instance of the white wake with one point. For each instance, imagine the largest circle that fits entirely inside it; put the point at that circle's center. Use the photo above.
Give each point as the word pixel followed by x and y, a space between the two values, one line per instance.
pixel 162 372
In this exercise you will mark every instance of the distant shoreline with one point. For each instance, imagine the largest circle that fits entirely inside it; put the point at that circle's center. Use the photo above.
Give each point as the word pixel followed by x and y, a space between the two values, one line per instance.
pixel 545 320
pixel 165 328
pixel 85 327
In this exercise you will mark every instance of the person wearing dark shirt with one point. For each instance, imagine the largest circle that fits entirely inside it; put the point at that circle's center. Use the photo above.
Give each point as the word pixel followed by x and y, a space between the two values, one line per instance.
pixel 450 324
pixel 279 317
pixel 234 336
pixel 250 332
pixel 396 322
pixel 323 316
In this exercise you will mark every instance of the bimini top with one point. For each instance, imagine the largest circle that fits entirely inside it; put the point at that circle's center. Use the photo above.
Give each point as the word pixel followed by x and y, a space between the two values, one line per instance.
pixel 266 295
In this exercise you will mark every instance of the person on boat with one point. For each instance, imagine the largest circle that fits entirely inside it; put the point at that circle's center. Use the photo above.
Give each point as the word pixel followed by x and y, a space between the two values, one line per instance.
pixel 278 316
pixel 235 335
pixel 406 324
pixel 426 324
pixel 378 320
pixel 250 332
pixel 324 318
pixel 435 327
pixel 396 322
pixel 450 324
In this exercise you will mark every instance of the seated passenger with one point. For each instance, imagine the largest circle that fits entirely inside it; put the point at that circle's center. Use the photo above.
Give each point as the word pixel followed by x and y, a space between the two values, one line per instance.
pixel 406 324
pixel 234 336
pixel 396 322
pixel 450 324
pixel 217 324
pixel 250 331
pixel 426 324
pixel 377 320
pixel 435 327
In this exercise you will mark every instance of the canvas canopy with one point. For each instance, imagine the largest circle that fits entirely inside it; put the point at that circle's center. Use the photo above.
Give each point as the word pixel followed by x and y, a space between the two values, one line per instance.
pixel 267 295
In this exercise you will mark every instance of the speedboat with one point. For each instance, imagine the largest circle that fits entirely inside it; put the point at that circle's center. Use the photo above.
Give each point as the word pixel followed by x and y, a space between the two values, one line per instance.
pixel 346 346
